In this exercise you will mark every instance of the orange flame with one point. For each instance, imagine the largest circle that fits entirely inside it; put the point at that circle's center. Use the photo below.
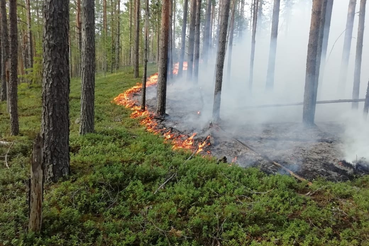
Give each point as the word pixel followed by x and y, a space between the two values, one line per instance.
pixel 179 141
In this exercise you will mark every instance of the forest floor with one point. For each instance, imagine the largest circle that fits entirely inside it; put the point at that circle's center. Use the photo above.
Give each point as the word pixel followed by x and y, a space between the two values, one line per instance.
pixel 128 187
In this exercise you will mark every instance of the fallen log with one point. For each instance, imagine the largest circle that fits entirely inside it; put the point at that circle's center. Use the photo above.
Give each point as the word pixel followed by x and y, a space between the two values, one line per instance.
pixel 4 143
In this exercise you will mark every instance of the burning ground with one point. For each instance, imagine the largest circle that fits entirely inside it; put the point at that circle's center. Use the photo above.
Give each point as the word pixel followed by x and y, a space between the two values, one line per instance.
pixel 274 147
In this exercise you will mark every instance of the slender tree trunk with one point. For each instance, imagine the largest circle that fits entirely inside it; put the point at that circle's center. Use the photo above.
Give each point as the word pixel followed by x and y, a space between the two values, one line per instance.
pixel 4 52
pixel 207 32
pixel 170 48
pixel 79 36
pixel 313 60
pixel 359 54
pixel 273 46
pixel 366 104
pixel 55 91
pixel 220 60
pixel 88 67
pixel 158 43
pixel 163 59
pixel 347 46
pixel 105 34
pixel 130 31
pixel 230 42
pixel 29 35
pixel 197 41
pixel 210 47
pixel 117 48
pixel 137 39
pixel 183 38
pixel 253 41
pixel 13 82
pixel 112 23
pixel 143 99
pixel 191 41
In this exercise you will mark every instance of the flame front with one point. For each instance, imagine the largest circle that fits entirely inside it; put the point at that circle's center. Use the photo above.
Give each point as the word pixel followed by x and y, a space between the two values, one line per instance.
pixel 179 141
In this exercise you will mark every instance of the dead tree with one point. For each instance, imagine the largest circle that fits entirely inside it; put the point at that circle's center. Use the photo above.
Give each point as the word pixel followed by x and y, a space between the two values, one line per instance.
pixel 163 59
pixel 144 78
pixel 220 60
pixel 197 41
pixel 347 45
pixel 183 37
pixel 230 42
pixel 253 41
pixel 359 54
pixel 136 53
pixel 273 46
pixel 313 61
pixel 191 41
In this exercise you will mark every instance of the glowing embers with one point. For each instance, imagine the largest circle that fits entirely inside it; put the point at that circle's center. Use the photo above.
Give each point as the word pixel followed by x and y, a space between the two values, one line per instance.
pixel 179 141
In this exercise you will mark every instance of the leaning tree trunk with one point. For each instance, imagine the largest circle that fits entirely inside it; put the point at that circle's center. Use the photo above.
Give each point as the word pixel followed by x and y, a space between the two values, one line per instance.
pixel 313 61
pixel 29 36
pixel 253 41
pixel 163 59
pixel 220 60
pixel 137 39
pixel 88 67
pixel 197 41
pixel 4 52
pixel 191 41
pixel 144 78
pixel 55 91
pixel 207 32
pixel 183 38
pixel 13 81
pixel 230 43
pixel 347 46
pixel 359 54
pixel 273 46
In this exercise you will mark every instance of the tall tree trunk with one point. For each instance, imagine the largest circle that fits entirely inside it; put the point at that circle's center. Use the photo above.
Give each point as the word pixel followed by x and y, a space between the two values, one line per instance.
pixel 170 43
pixel 112 23
pixel 117 45
pixel 88 67
pixel 253 41
pixel 163 59
pixel 13 81
pixel 55 91
pixel 79 36
pixel 273 46
pixel 144 78
pixel 210 47
pixel 191 41
pixel 207 32
pixel 130 30
pixel 137 39
pixel 4 52
pixel 29 35
pixel 183 38
pixel 230 42
pixel 347 45
pixel 197 41
pixel 105 34
pixel 359 54
pixel 313 60
pixel 220 60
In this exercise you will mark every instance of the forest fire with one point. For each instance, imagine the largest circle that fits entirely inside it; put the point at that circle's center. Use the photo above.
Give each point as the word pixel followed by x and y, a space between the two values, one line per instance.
pixel 179 141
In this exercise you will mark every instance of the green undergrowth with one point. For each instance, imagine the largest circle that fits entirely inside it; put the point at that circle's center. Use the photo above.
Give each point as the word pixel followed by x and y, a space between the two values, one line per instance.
pixel 128 187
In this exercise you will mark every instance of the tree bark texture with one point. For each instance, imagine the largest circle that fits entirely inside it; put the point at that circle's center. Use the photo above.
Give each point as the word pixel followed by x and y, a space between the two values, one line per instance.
pixel 191 41
pixel 220 60
pixel 144 78
pixel 130 30
pixel 29 36
pixel 163 59
pixel 137 39
pixel 359 54
pixel 13 80
pixel 207 32
pixel 253 41
pixel 197 41
pixel 4 52
pixel 170 43
pixel 347 45
pixel 273 46
pixel 55 91
pixel 88 67
pixel 36 188
pixel 183 38
pixel 313 61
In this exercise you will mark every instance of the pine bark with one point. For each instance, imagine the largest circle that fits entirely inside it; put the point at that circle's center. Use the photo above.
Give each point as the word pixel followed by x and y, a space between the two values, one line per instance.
pixel 220 60
pixel 273 46
pixel 197 41
pixel 183 38
pixel 191 41
pixel 359 54
pixel 144 78
pixel 13 80
pixel 4 52
pixel 347 46
pixel 163 59
pixel 88 67
pixel 130 31
pixel 253 41
pixel 29 36
pixel 137 40
pixel 207 32
pixel 55 91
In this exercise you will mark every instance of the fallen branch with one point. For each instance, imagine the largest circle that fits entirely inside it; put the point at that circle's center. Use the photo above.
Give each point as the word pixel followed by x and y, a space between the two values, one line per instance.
pixel 4 143
pixel 6 155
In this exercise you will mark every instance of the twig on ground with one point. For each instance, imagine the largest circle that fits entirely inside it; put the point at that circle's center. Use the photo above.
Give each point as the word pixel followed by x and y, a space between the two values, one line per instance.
pixel 6 155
